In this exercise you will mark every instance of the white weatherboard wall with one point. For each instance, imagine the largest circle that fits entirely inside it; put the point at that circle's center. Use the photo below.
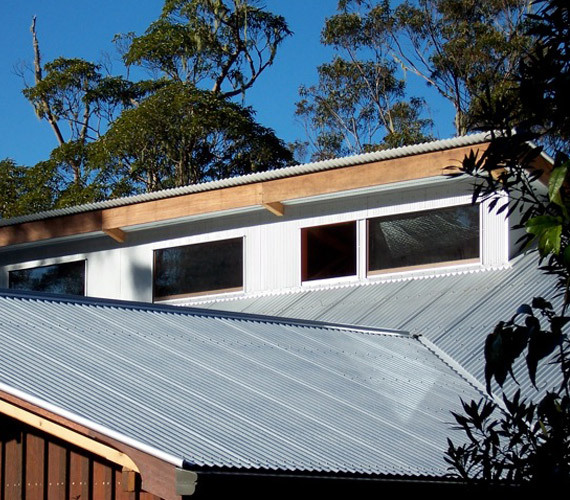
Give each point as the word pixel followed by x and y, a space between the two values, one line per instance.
pixel 272 245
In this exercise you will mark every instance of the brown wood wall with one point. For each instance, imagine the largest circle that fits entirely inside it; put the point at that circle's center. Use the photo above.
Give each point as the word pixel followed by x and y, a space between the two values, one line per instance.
pixel 36 466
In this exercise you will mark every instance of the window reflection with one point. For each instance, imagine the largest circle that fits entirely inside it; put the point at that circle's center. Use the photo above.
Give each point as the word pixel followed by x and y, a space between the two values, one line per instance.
pixel 205 267
pixel 419 238
pixel 67 278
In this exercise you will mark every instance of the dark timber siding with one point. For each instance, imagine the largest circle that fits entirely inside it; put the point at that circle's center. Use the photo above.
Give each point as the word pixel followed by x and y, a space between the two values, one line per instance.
pixel 36 466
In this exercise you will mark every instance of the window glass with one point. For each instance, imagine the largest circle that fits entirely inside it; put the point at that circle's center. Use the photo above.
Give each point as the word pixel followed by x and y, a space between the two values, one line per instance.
pixel 328 251
pixel 205 267
pixel 67 278
pixel 420 238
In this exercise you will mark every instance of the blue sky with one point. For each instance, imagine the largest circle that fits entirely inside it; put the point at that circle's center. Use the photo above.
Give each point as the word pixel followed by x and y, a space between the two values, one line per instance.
pixel 84 29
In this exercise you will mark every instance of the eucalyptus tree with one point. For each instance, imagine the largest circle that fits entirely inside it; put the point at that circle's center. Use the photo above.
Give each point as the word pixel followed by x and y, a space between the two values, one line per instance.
pixel 359 103
pixel 183 135
pixel 201 54
pixel 220 45
pixel 25 189
pixel 463 48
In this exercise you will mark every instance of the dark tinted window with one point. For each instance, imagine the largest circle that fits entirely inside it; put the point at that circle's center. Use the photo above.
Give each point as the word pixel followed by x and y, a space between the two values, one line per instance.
pixel 420 238
pixel 68 278
pixel 328 251
pixel 204 267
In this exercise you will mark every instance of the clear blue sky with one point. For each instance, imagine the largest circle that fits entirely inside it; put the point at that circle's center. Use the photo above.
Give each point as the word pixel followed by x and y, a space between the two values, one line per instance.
pixel 84 29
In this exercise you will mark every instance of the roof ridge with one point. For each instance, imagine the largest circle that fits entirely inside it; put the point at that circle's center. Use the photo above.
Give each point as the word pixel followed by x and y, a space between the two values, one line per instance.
pixel 459 369
pixel 194 311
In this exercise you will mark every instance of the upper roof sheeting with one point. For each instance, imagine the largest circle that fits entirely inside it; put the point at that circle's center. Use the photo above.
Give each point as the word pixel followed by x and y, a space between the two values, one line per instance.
pixel 455 311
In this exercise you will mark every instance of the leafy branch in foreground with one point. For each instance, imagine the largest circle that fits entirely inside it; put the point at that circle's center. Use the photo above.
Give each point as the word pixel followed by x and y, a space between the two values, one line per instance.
pixel 513 439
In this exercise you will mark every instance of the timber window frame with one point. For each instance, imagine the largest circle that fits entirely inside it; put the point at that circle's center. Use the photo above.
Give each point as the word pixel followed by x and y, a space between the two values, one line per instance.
pixel 423 239
pixel 329 251
pixel 203 268
pixel 428 238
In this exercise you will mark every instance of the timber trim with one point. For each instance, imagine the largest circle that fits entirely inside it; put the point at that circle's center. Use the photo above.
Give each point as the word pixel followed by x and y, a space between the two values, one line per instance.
pixel 116 233
pixel 275 207
pixel 67 435
pixel 157 476
pixel 270 194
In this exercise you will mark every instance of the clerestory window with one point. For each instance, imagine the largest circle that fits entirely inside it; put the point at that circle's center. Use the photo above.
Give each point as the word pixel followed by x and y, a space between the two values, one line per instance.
pixel 211 267
pixel 394 243
pixel 328 251
pixel 66 278
pixel 417 239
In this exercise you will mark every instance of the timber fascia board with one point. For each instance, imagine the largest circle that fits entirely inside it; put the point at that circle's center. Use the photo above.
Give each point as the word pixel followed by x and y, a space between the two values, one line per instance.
pixel 269 194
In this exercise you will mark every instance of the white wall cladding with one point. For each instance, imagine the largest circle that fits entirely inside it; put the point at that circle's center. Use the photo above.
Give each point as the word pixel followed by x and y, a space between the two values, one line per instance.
pixel 272 249
pixel 494 235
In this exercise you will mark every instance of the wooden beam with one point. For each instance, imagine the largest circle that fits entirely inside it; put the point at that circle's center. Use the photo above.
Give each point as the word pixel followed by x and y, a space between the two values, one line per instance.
pixel 271 194
pixel 116 233
pixel 129 480
pixel 67 435
pixel 275 208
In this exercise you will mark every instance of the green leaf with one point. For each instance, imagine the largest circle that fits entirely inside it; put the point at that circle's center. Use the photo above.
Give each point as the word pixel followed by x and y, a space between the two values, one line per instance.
pixel 540 345
pixel 548 230
pixel 566 256
pixel 557 177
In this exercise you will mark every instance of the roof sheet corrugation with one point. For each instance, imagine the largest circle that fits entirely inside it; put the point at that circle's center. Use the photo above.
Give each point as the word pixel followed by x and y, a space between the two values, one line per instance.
pixel 236 391
pixel 387 154
pixel 455 312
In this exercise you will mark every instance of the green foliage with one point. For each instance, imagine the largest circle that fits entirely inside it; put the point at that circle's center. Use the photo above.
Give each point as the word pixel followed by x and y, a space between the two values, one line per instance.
pixel 227 43
pixel 116 137
pixel 183 135
pixel 359 103
pixel 527 444
pixel 518 441
pixel 75 91
pixel 461 47
pixel 24 189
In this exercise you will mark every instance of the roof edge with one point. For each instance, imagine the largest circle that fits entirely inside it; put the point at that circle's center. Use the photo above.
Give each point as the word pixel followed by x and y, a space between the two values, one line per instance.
pixel 387 154
pixel 77 419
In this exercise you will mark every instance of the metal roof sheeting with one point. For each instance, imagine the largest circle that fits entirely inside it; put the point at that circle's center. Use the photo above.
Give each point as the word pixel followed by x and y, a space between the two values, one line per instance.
pixel 454 311
pixel 237 391
pixel 386 154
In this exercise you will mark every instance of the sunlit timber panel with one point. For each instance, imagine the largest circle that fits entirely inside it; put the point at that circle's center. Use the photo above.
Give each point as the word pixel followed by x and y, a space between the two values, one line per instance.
pixel 256 194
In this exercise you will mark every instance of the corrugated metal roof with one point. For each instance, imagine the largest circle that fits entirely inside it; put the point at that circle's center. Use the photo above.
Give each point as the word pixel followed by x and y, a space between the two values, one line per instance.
pixel 236 390
pixel 387 154
pixel 454 311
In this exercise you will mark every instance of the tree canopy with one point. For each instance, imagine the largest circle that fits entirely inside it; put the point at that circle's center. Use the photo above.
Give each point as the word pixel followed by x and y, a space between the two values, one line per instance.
pixel 461 48
pixel 224 43
pixel 117 137
pixel 182 135
pixel 212 52
pixel 359 103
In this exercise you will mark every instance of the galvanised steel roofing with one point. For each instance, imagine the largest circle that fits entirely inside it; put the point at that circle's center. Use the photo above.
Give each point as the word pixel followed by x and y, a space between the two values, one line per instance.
pixel 230 390
pixel 455 311
pixel 427 147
